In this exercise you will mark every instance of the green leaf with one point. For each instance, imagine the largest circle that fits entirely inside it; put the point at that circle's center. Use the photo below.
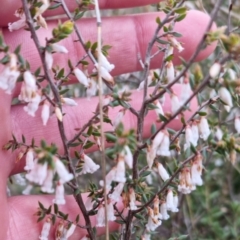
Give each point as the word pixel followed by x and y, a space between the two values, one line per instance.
pixel 88 144
pixel 62 92
pixel 110 137
pixel 180 17
pixel 41 206
pixel 17 50
pixel 23 139
pixel 165 29
pixel 79 15
pixel 77 218
pixel 55 208
pixel 54 6
pixel 202 113
pixel 49 210
pixel 158 20
pixel 159 40
pixel 179 238
pixel 181 10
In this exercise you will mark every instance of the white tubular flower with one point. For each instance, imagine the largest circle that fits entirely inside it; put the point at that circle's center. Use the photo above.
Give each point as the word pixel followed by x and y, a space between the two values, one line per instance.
pixel 105 63
pixel 237 124
pixel 153 221
pixel 219 134
pixel 46 229
pixel 120 171
pixel 62 171
pixel 41 21
pixel 175 103
pixel 101 216
pixel 116 195
pixel 69 101
pixel 89 203
pixel 164 148
pixel 89 166
pixel 92 88
pixel 58 114
pixel 27 190
pixel 128 157
pixel 118 118
pixel 215 70
pixel 81 77
pixel 203 128
pixel 170 71
pixel 169 200
pixel 21 23
pixel 226 97
pixel 156 211
pixel 48 182
pixel 132 199
pixel 151 154
pixel 109 178
pixel 175 203
pixel 70 231
pixel 185 91
pixel 185 181
pixel 110 211
pixel 59 195
pixel 85 238
pixel 45 5
pixel 59 230
pixel 29 160
pixel 163 211
pixel 105 74
pixel 45 114
pixel 162 172
pixel 33 105
pixel 188 137
pixel 58 48
pixel 195 133
pixel 175 43
pixel 213 93
pixel 19 179
pixel 170 50
pixel 158 108
pixel 196 171
pixel 49 60
pixel 157 141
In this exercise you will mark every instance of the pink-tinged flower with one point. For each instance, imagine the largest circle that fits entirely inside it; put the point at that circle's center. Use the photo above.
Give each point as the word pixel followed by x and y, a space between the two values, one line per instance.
pixel 175 43
pixel 116 194
pixel 196 171
pixel 101 216
pixel 226 97
pixel 59 194
pixel 156 212
pixel 118 118
pixel 237 124
pixel 153 221
pixel 110 211
pixel 170 71
pixel 45 5
pixel 127 155
pixel 45 229
pixel 89 166
pixel 58 48
pixel 195 133
pixel 89 203
pixel 47 185
pixel 81 77
pixel 132 199
pixel 151 154
pixel 29 160
pixel 21 23
pixel 162 172
pixel 158 109
pixel 109 178
pixel 33 105
pixel 163 211
pixel 203 128
pixel 188 137
pixel 169 200
pixel 92 88
pixel 49 60
pixel 219 134
pixel 27 190
pixel 146 236
pixel 164 148
pixel 170 51
pixel 214 70
pixel 185 182
pixel 69 231
pixel 157 141
pixel 185 91
pixel 45 114
pixel 62 171
pixel 105 63
pixel 59 230
pixel 69 102
pixel 175 203
pixel 105 74
pixel 120 171
pixel 175 103
pixel 58 114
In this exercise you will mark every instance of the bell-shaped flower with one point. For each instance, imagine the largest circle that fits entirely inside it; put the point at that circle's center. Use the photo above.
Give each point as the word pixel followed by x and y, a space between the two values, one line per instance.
pixel 118 118
pixel 58 48
pixel 195 133
pixel 81 77
pixel 188 137
pixel 175 43
pixel 105 74
pixel 185 91
pixel 21 23
pixel 116 194
pixel 151 154
pixel 214 70
pixel 69 231
pixel 164 148
pixel 105 63
pixel 29 160
pixel 92 88
pixel 59 232
pixel 45 229
pixel 101 216
pixel 62 171
pixel 226 97
pixel 45 114
pixel 58 114
pixel 162 172
pixel 156 212
pixel 110 211
pixel 219 134
pixel 175 204
pixel 237 124
pixel 170 71
pixel 59 194
pixel 132 199
pixel 128 157
pixel 49 60
pixel 163 211
pixel 169 200
pixel 109 178
pixel 120 170
pixel 47 185
pixel 175 103
pixel 69 102
pixel 88 166
pixel 89 203
pixel 196 170
pixel 153 221
pixel 185 182
pixel 203 128
pixel 33 105
pixel 158 109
